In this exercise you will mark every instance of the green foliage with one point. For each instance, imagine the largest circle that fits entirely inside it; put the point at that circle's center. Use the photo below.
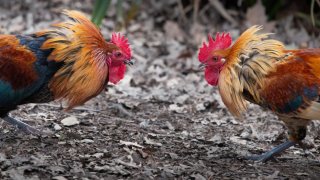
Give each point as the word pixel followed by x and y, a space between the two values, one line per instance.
pixel 273 7
pixel 131 13
pixel 99 11
pixel 101 6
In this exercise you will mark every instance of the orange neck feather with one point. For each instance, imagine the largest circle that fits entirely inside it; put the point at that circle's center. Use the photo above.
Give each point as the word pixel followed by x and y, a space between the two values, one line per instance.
pixel 82 48
pixel 237 75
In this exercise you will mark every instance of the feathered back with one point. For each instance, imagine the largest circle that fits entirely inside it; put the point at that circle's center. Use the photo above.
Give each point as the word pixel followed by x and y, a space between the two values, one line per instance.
pixel 16 63
pixel 250 58
pixel 79 44
pixel 23 70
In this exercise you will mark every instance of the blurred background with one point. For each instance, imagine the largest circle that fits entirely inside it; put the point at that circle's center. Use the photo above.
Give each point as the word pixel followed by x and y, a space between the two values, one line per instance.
pixel 295 22
pixel 162 120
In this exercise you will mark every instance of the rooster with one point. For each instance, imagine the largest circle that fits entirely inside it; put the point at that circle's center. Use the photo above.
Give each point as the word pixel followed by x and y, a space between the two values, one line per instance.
pixel 260 70
pixel 72 62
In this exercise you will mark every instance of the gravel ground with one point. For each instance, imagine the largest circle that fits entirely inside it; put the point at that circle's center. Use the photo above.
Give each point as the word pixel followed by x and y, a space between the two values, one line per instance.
pixel 162 121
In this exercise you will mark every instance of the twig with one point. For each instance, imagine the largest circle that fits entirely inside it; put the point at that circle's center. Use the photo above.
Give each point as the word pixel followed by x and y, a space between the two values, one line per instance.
pixel 120 109
pixel 22 125
pixel 76 108
pixel 204 9
pixel 163 135
pixel 182 12
pixel 135 144
pixel 139 58
pixel 195 10
pixel 312 12
pixel 112 105
pixel 219 7
pixel 131 164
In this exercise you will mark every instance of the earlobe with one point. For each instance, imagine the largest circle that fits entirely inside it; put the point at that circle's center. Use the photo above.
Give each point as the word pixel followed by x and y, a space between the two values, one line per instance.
pixel 108 61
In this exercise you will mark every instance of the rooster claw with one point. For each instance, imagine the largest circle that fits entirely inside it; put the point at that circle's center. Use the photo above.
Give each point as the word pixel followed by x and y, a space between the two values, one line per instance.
pixel 260 158
pixel 23 126
pixel 270 154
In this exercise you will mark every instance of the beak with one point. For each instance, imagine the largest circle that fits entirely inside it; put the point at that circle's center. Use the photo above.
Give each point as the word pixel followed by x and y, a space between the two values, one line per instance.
pixel 128 62
pixel 202 66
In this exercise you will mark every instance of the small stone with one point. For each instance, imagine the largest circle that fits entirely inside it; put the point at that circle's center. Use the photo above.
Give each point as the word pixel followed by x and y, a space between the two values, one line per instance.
pixel 134 27
pixel 245 134
pixel 151 142
pixel 238 140
pixel 98 155
pixel 216 139
pixel 182 99
pixel 62 142
pixel 87 141
pixel 59 178
pixel 144 124
pixel 170 126
pixel 176 108
pixel 70 121
pixel 185 133
pixel 200 107
pixel 57 127
pixel 173 155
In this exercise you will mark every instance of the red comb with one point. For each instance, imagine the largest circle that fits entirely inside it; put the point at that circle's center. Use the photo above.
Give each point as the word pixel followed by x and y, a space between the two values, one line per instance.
pixel 220 42
pixel 122 42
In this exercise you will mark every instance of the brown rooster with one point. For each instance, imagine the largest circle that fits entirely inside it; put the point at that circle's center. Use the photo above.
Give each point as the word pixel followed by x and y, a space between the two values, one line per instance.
pixel 71 62
pixel 262 71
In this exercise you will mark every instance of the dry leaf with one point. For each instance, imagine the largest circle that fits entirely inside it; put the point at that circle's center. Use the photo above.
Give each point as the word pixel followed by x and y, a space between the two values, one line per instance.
pixel 131 144
pixel 173 31
pixel 70 121
pixel 256 16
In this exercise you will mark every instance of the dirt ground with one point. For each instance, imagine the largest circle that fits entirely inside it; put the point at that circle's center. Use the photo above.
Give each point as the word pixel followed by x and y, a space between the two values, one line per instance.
pixel 161 122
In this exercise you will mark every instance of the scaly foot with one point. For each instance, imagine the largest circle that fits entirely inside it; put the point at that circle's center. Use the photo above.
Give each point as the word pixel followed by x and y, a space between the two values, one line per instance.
pixel 23 126
pixel 270 154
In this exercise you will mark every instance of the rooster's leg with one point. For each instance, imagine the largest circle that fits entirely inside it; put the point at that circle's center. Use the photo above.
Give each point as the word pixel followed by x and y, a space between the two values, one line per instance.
pixel 21 125
pixel 297 130
pixel 275 151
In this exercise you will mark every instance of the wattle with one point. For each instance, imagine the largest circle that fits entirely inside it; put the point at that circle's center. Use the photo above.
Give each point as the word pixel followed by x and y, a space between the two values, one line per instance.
pixel 212 75
pixel 116 73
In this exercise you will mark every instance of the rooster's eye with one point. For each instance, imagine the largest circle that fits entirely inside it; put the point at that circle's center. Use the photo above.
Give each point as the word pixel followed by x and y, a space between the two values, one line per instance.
pixel 118 54
pixel 215 58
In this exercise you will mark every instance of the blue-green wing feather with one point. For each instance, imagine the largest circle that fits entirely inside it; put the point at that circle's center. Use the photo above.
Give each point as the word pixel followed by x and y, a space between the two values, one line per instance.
pixel 10 96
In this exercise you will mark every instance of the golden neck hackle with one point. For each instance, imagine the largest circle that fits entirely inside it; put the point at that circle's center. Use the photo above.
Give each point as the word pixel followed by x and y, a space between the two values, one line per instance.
pixel 244 70
pixel 79 44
